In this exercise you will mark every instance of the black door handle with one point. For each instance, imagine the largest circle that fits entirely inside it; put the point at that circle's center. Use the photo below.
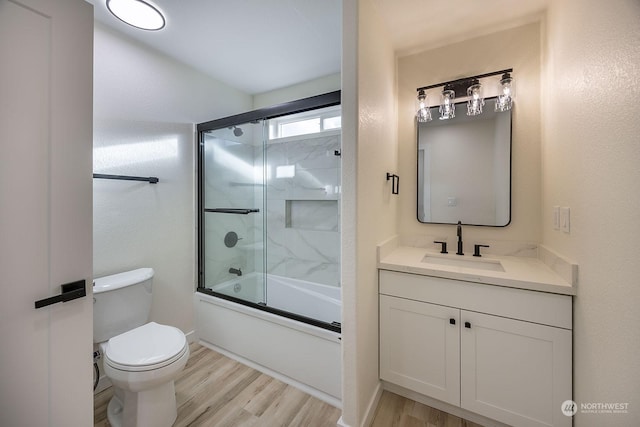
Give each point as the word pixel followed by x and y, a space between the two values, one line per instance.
pixel 467 325
pixel 70 291
pixel 452 321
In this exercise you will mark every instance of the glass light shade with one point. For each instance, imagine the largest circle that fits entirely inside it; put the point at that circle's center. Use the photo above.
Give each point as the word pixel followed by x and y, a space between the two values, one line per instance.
pixel 476 101
pixel 504 102
pixel 447 104
pixel 423 114
pixel 137 13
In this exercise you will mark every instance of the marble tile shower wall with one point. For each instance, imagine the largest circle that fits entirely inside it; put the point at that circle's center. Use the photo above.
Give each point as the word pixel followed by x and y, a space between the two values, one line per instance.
pixel 230 183
pixel 302 208
pixel 303 205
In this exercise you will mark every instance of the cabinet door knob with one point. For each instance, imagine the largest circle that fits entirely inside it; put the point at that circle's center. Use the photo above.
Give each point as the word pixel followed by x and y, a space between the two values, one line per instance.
pixel 452 321
pixel 467 325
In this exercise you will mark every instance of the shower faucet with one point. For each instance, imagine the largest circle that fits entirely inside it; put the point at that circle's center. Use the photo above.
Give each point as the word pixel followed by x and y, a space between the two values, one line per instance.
pixel 235 271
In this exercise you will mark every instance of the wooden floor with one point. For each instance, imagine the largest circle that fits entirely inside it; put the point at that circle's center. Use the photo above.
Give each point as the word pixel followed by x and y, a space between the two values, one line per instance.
pixel 214 390
pixel 398 411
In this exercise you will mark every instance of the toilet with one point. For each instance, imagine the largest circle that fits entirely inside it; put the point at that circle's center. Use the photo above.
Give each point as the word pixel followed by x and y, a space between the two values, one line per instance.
pixel 142 359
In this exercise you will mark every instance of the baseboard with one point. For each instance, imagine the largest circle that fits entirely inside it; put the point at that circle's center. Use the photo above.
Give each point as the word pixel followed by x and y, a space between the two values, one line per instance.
pixel 103 384
pixel 370 413
pixel 191 337
pixel 331 400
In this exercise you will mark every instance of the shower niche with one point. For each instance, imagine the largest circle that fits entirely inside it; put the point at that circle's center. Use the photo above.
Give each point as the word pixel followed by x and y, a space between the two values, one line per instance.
pixel 269 207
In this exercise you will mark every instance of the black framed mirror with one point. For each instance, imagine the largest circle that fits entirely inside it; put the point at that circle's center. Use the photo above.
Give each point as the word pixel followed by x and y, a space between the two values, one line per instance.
pixel 464 168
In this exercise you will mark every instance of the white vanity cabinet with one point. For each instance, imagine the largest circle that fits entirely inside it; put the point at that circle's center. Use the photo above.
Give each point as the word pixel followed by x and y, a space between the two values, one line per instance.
pixel 500 352
pixel 420 347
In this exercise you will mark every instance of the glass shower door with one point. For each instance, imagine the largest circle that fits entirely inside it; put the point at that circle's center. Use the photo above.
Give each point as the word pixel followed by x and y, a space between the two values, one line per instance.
pixel 269 209
pixel 303 189
pixel 233 211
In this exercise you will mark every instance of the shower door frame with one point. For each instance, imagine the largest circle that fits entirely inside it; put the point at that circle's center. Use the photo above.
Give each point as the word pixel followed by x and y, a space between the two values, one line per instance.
pixel 299 106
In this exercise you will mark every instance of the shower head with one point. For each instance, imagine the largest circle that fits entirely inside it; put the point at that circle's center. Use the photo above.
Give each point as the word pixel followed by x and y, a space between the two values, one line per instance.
pixel 237 131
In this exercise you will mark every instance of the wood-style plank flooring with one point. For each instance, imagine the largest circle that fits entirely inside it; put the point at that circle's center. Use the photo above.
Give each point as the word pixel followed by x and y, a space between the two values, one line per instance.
pixel 398 411
pixel 214 390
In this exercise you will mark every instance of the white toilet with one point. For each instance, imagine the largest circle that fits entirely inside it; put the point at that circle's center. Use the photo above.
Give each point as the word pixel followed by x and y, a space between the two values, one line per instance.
pixel 141 359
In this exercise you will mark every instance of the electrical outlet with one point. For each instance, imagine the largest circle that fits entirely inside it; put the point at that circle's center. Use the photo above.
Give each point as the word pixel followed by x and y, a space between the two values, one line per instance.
pixel 565 219
pixel 556 217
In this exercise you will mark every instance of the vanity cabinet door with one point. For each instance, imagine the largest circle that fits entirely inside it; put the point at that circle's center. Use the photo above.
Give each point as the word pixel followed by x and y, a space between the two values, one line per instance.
pixel 420 347
pixel 513 371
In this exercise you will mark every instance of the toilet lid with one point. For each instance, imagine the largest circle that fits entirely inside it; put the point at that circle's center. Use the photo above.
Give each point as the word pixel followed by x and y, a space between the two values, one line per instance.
pixel 146 346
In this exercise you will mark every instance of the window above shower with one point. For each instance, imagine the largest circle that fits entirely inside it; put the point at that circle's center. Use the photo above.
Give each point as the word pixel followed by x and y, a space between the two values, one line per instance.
pixel 307 124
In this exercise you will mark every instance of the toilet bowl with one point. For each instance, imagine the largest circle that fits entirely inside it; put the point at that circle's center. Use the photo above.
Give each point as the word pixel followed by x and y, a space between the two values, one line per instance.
pixel 142 365
pixel 141 359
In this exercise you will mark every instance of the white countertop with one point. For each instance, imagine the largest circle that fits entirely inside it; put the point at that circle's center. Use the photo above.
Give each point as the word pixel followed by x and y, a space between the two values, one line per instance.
pixel 520 272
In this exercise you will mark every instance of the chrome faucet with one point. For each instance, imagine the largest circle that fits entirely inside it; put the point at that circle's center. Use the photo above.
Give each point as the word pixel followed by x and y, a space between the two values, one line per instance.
pixel 235 271
pixel 459 233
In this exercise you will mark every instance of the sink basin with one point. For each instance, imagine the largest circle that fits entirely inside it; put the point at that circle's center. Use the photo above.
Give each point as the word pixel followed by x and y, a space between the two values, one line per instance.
pixel 478 264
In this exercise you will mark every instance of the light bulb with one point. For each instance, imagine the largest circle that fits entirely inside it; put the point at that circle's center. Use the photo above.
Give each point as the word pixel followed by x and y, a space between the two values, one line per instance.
pixel 423 114
pixel 447 107
pixel 505 100
pixel 476 101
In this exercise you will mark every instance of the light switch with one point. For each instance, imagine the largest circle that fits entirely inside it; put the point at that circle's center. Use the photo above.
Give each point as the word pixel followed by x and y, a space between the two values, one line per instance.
pixel 452 201
pixel 556 217
pixel 565 219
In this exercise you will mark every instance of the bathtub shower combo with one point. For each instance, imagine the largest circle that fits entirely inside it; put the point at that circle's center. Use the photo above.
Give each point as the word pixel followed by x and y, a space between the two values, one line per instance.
pixel 269 241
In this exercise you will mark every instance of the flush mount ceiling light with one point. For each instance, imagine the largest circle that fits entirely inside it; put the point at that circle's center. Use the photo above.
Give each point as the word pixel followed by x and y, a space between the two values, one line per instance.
pixel 137 13
pixel 471 88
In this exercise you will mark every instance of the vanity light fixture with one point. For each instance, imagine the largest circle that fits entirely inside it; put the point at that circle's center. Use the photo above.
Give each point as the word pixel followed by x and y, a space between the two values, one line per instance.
pixel 476 101
pixel 470 88
pixel 423 114
pixel 447 103
pixel 137 13
pixel 505 99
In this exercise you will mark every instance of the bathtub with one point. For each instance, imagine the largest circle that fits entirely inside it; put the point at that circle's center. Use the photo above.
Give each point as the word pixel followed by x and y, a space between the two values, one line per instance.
pixel 308 299
pixel 300 354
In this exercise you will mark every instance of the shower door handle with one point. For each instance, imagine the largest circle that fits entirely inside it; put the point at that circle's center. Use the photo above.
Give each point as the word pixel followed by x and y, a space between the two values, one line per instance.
pixel 70 291
pixel 236 211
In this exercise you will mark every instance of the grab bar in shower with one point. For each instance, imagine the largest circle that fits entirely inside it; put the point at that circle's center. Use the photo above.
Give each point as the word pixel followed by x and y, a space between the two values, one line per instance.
pixel 236 211
pixel 150 179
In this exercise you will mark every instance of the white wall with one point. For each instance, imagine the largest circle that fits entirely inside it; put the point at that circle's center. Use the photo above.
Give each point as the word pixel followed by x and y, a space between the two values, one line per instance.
pixel 307 89
pixel 517 48
pixel 145 105
pixel 591 163
pixel 369 209
pixel 134 82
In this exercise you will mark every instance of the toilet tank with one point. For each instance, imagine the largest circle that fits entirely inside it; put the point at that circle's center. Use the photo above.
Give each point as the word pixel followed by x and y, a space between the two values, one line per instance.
pixel 121 302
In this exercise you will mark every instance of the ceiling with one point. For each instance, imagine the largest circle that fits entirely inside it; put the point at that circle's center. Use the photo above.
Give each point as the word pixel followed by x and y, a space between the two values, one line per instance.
pixel 262 45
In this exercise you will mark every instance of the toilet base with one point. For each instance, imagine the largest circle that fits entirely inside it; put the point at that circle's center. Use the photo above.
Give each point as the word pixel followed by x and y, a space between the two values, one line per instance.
pixel 155 407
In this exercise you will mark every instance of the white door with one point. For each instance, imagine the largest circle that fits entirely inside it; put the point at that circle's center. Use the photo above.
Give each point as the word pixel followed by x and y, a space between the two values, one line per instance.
pixel 513 371
pixel 420 347
pixel 46 61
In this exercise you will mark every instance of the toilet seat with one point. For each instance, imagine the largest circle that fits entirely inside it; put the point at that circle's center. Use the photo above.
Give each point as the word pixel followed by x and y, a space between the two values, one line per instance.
pixel 145 348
